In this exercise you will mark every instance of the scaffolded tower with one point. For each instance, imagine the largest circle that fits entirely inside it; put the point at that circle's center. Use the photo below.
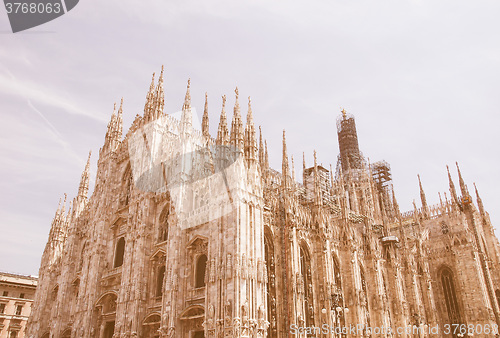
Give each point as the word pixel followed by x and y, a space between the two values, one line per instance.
pixel 350 157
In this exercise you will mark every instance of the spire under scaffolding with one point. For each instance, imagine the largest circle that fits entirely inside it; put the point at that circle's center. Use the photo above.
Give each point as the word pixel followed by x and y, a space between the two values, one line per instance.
pixel 350 157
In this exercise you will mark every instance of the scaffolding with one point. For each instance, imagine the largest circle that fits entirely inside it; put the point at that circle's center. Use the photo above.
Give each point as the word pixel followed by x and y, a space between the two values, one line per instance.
pixel 381 173
pixel 324 183
pixel 350 156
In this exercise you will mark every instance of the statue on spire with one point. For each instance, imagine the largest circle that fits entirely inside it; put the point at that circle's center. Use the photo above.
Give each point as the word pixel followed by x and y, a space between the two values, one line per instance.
pixel 222 132
pixel 187 99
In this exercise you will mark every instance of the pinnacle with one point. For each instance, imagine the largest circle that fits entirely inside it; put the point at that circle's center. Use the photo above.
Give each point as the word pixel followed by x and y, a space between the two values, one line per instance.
pixel 187 99
pixel 463 187
pixel 250 115
pixel 237 103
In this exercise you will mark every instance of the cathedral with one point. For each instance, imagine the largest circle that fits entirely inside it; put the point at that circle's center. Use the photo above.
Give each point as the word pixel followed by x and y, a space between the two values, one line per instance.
pixel 188 235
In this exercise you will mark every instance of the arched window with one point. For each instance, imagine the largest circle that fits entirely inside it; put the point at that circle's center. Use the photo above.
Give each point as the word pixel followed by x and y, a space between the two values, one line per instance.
pixel 127 179
pixel 119 252
pixel 337 296
pixel 163 224
pixel 82 256
pixel 305 270
pixel 109 329
pixel 450 296
pixel 271 286
pixel 201 266
pixel 151 325
pixel 336 273
pixel 66 334
pixel 364 297
pixel 76 288
pixel 55 290
pixel 159 281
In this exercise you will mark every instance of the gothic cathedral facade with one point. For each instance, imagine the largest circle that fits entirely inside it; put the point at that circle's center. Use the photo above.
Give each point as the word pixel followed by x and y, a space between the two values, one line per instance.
pixel 191 236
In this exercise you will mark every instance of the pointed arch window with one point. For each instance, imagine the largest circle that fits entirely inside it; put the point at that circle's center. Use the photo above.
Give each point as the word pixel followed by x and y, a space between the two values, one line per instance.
pixel 271 286
pixel 160 277
pixel 450 295
pixel 364 299
pixel 201 267
pixel 119 252
pixel 305 270
pixel 163 224
pixel 336 273
pixel 151 326
pixel 82 257
pixel 66 333
pixel 127 180
pixel 337 296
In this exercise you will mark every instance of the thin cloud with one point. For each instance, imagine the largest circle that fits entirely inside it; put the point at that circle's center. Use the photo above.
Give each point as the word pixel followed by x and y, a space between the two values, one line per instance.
pixel 12 86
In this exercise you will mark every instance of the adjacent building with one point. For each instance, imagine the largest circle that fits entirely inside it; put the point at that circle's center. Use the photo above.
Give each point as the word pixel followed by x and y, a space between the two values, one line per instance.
pixel 16 297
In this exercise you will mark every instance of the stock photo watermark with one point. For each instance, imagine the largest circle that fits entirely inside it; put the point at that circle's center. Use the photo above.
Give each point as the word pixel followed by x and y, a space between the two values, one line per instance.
pixel 26 14
pixel 458 330
pixel 204 181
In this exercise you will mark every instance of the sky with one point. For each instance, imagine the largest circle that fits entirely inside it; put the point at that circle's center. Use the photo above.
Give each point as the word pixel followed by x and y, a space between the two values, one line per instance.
pixel 421 77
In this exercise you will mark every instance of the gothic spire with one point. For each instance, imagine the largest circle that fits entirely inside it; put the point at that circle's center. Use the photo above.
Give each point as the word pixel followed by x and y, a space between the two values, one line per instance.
pixel 148 106
pixel 236 103
pixel 58 211
pixel 237 126
pixel 395 205
pixel 83 189
pixel 204 125
pixel 266 156
pixel 446 202
pixel 261 148
pixel 112 122
pixel 479 202
pixel 317 190
pixel 187 98
pixel 159 99
pixel 57 234
pixel 463 187
pixel 453 192
pixel 331 180
pixel 187 117
pixel 111 130
pixel 249 114
pixel 119 122
pixel 63 210
pixel 250 138
pixel 222 132
pixel 422 198
pixel 293 170
pixel 285 169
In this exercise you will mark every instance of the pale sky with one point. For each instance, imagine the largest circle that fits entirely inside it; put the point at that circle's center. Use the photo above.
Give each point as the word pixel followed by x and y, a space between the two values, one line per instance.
pixel 421 78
